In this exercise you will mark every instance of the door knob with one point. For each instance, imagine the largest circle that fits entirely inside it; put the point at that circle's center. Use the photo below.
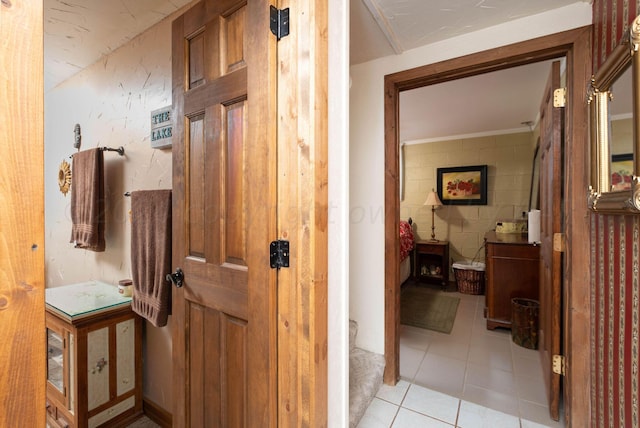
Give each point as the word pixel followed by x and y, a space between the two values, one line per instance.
pixel 177 277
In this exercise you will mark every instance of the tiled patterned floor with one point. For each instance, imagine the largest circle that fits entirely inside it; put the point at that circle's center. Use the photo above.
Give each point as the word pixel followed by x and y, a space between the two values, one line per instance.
pixel 470 378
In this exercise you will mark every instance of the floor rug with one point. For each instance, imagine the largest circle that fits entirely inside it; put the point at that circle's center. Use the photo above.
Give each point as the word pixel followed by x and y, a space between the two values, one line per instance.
pixel 428 309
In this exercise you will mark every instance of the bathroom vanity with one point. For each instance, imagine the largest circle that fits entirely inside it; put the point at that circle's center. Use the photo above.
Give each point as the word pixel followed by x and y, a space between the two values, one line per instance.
pixel 94 357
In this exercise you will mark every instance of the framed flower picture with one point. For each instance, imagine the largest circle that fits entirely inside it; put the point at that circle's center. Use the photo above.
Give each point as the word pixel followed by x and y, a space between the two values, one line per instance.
pixel 463 185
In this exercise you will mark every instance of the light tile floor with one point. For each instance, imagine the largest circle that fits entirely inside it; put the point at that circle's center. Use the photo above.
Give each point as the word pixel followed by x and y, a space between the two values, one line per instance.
pixel 470 378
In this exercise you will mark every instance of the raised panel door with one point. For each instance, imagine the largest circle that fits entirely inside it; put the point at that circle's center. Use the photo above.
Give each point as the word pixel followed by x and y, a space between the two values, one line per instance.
pixel 551 222
pixel 223 215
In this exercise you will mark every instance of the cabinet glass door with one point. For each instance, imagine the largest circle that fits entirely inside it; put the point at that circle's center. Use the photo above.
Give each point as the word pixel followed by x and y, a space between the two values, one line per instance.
pixel 55 359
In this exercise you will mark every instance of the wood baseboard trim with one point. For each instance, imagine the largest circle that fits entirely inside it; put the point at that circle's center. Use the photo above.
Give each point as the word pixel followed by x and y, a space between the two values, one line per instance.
pixel 157 414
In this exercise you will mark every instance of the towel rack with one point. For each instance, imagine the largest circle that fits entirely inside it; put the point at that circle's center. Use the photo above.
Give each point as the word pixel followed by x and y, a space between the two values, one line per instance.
pixel 120 150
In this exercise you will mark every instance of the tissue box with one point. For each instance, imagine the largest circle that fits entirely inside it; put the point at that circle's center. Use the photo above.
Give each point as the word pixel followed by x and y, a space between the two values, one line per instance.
pixel 511 226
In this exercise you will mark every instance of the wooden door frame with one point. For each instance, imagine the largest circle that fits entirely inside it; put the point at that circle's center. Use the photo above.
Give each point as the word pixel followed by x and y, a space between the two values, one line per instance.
pixel 302 210
pixel 22 331
pixel 575 45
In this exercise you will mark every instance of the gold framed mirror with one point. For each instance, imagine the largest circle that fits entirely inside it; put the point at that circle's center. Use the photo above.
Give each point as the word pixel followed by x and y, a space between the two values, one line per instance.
pixel 613 97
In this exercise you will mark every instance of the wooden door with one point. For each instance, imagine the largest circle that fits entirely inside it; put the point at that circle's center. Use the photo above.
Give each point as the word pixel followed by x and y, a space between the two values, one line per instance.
pixel 22 332
pixel 551 216
pixel 224 329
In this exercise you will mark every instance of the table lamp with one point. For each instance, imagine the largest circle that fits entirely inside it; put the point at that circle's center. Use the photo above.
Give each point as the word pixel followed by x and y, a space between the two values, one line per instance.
pixel 434 202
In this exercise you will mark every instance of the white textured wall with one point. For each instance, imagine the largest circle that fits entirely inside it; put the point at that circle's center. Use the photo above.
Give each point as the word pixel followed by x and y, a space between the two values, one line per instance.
pixel 112 101
pixel 366 300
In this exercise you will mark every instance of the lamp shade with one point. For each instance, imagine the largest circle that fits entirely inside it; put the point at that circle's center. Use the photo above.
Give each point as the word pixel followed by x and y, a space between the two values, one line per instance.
pixel 433 200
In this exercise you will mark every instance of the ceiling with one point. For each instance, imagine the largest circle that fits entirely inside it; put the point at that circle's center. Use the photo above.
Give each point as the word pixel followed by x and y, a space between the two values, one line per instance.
pixel 490 103
pixel 79 32
pixel 407 24
pixel 496 102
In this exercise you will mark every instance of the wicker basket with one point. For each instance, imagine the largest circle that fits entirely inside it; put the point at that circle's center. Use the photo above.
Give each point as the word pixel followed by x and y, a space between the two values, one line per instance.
pixel 469 277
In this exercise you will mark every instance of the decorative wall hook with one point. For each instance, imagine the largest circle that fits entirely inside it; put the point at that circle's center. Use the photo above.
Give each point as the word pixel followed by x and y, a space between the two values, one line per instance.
pixel 78 137
pixel 64 177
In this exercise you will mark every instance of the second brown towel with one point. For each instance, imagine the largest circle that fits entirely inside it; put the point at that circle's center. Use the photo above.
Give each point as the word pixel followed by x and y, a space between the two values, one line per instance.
pixel 151 254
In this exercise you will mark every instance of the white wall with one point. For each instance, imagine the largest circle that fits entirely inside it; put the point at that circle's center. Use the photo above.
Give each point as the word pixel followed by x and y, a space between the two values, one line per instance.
pixel 338 279
pixel 112 101
pixel 366 300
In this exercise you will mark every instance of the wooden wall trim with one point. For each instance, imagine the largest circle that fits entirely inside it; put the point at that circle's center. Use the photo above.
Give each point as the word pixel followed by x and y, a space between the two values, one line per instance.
pixel 302 215
pixel 391 227
pixel 576 292
pixel 156 413
pixel 575 44
pixel 22 331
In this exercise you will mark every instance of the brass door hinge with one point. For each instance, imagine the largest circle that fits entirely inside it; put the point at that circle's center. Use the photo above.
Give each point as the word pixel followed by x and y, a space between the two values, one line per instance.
pixel 560 97
pixel 559 242
pixel 558 365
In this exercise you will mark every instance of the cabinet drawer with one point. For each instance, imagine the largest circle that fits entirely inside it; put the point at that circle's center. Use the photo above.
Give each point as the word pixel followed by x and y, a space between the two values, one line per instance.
pixel 55 418
pixel 514 251
pixel 431 249
pixel 51 410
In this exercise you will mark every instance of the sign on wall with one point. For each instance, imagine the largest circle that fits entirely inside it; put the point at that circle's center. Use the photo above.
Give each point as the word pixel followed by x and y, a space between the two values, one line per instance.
pixel 161 128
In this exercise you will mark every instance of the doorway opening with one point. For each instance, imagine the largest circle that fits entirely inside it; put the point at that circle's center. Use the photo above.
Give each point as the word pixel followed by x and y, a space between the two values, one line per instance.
pixel 490 119
pixel 575 46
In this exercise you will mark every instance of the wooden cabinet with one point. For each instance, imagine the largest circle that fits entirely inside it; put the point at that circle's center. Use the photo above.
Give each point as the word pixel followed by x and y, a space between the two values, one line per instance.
pixel 512 271
pixel 432 262
pixel 94 357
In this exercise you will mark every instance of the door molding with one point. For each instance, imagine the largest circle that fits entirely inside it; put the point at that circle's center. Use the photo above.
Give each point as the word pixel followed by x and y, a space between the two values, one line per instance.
pixel 24 350
pixel 575 45
pixel 302 209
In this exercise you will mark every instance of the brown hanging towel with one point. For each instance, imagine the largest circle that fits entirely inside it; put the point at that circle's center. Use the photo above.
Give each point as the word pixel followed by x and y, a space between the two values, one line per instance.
pixel 87 200
pixel 151 254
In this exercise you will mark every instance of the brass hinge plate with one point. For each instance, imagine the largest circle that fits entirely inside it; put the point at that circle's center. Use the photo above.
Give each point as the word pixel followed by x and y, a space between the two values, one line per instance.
pixel 560 97
pixel 558 365
pixel 559 242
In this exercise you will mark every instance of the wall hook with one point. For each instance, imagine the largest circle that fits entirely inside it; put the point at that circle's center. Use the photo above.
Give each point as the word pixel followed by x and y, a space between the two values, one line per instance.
pixel 78 137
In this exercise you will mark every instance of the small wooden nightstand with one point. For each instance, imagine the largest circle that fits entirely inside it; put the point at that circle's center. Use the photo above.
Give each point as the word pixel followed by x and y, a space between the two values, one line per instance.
pixel 432 262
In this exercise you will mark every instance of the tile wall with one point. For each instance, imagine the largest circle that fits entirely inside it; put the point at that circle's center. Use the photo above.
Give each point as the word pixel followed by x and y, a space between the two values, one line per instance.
pixel 509 159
